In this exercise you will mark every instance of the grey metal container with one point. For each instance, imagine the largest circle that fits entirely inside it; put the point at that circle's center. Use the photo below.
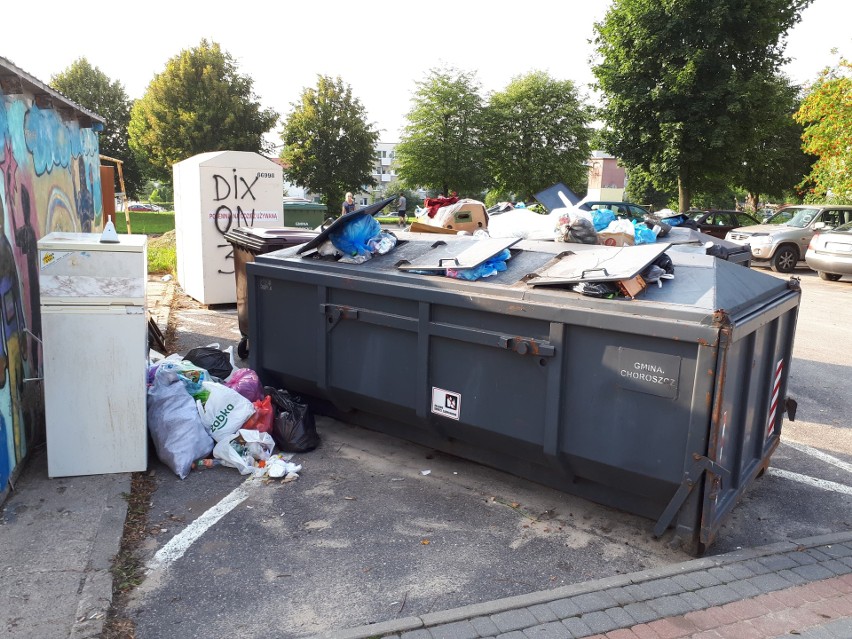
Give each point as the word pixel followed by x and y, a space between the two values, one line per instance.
pixel 249 242
pixel 668 405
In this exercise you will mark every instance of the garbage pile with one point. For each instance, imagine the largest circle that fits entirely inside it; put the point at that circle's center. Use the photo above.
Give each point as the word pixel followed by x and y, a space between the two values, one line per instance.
pixel 204 411
pixel 610 263
pixel 357 240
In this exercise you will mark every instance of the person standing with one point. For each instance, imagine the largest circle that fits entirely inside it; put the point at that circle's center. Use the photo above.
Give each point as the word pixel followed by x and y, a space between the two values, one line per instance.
pixel 348 205
pixel 401 206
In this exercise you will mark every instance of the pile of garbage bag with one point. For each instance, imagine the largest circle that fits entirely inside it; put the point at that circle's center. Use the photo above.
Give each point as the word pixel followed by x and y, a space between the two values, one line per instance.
pixel 598 226
pixel 201 408
pixel 358 240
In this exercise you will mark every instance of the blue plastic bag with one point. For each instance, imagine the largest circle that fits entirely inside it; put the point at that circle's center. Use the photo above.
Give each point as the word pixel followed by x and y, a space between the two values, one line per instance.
pixel 491 266
pixel 191 375
pixel 353 238
pixel 642 234
pixel 601 218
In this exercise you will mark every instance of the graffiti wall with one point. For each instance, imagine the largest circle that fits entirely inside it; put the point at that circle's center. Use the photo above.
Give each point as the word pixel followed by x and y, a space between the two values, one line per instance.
pixel 49 181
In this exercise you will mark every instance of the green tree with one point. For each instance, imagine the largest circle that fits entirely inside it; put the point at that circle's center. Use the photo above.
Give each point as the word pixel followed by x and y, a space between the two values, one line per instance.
pixel 92 88
pixel 643 189
pixel 826 113
pixel 198 103
pixel 538 134
pixel 683 81
pixel 328 143
pixel 441 146
pixel 775 162
pixel 412 197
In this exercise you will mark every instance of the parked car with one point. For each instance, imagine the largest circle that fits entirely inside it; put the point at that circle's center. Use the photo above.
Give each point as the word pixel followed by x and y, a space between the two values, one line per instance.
pixel 783 240
pixel 830 253
pixel 717 223
pixel 138 207
pixel 624 210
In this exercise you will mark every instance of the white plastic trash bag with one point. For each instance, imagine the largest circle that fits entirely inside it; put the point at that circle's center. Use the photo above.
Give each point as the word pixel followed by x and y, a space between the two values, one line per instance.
pixel 258 444
pixel 241 450
pixel 225 410
pixel 231 452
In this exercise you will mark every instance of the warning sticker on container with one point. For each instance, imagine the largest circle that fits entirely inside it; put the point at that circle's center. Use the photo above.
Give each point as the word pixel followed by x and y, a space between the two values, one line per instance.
pixel 446 403
pixel 46 258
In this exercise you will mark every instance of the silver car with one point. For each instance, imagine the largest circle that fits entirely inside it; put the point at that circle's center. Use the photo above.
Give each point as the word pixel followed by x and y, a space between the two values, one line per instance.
pixel 783 239
pixel 830 253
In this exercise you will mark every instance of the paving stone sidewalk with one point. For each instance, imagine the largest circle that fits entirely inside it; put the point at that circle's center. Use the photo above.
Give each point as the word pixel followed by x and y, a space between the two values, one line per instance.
pixel 799 588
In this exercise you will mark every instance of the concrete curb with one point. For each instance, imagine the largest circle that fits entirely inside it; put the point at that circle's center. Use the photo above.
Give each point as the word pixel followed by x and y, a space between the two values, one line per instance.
pixel 97 582
pixel 546 596
pixel 161 296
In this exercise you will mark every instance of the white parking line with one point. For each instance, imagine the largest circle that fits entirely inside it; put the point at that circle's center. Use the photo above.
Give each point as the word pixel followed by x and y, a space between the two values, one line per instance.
pixel 812 481
pixel 813 452
pixel 181 542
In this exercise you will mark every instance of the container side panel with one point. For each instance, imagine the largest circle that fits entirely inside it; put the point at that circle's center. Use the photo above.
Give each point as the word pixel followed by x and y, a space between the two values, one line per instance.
pixel 627 403
pixel 388 303
pixel 504 322
pixel 286 340
pixel 750 413
pixel 372 361
pixel 490 388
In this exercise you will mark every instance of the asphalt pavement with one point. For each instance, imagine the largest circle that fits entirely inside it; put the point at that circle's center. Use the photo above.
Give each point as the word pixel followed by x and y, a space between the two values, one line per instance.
pixel 384 538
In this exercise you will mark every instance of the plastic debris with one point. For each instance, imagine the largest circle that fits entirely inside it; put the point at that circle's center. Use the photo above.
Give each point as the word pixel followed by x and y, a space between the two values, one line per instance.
pixel 277 467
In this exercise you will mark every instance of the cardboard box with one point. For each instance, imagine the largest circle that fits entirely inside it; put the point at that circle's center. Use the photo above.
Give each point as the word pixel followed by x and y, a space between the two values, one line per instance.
pixel 470 217
pixel 608 238
pixel 464 215
pixel 420 227
pixel 633 286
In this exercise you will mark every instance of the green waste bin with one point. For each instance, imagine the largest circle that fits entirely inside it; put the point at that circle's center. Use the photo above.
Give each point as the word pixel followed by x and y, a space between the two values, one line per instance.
pixel 304 215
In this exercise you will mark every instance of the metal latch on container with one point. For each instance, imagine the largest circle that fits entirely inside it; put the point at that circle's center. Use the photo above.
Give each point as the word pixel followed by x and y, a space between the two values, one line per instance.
pixel 527 346
pixel 701 464
pixel 333 315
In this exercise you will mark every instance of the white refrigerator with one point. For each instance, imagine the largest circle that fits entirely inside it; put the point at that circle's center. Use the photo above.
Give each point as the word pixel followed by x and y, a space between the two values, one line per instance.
pixel 95 344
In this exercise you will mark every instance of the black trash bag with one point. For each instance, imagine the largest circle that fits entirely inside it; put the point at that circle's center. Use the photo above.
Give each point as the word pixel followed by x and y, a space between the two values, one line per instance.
pixel 665 263
pixel 214 361
pixel 293 429
pixel 664 228
pixel 582 231
pixel 607 290
pixel 722 252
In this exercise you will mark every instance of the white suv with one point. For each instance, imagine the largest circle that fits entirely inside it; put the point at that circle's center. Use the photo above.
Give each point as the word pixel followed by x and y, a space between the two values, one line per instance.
pixel 784 238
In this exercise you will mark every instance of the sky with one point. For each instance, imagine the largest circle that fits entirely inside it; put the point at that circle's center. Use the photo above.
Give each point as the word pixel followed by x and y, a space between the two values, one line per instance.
pixel 381 49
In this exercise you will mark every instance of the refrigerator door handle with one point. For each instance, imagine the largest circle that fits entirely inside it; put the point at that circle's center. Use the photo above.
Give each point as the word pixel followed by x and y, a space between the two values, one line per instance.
pixel 41 362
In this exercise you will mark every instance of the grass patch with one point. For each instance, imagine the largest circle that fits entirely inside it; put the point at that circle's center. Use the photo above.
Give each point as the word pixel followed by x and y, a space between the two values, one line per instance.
pixel 144 222
pixel 162 255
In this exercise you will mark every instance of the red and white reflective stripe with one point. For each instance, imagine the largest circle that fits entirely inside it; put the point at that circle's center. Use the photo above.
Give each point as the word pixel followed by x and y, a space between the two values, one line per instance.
pixel 776 387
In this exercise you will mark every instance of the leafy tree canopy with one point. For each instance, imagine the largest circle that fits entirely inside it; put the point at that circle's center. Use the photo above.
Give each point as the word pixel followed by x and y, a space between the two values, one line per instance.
pixel 92 88
pixel 328 143
pixel 644 190
pixel 775 162
pixel 538 134
pixel 198 103
pixel 442 147
pixel 826 114
pixel 683 82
